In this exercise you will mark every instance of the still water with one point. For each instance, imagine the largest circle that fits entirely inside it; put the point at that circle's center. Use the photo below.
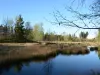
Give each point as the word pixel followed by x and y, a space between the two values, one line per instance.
pixel 88 64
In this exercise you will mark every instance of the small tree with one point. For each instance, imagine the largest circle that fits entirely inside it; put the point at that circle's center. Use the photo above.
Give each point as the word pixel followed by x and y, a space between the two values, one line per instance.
pixel 38 33
pixel 83 35
pixel 98 36
pixel 28 31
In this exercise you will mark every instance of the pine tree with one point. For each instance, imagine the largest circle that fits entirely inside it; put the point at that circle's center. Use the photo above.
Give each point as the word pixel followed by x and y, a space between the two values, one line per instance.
pixel 19 29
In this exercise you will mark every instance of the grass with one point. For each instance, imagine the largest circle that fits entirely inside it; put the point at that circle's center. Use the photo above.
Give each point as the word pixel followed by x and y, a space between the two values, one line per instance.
pixel 23 51
pixel 10 54
pixel 99 48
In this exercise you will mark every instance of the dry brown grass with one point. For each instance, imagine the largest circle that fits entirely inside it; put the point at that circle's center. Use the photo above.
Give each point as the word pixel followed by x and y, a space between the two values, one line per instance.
pixel 14 51
pixel 23 52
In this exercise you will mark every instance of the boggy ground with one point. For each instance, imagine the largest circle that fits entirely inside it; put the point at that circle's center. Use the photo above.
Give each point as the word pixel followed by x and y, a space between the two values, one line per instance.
pixel 20 51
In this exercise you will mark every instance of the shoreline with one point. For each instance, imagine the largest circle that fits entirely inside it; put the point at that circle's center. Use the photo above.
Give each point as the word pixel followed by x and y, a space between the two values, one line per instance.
pixel 19 51
pixel 51 42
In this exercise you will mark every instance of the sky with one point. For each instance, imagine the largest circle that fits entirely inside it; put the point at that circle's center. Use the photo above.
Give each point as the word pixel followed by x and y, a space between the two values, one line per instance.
pixel 39 11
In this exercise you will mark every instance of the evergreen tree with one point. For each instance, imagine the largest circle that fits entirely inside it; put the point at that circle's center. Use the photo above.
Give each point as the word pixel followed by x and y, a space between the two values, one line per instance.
pixel 19 29
pixel 83 35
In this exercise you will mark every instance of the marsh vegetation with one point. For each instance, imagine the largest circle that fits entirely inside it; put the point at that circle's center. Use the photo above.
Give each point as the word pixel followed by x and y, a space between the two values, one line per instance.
pixel 51 62
pixel 31 49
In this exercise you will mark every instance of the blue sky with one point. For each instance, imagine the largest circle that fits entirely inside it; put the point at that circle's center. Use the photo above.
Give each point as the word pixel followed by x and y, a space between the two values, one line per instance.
pixel 35 11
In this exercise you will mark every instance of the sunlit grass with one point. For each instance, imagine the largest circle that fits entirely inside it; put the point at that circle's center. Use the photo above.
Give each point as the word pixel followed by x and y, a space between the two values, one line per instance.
pixel 39 52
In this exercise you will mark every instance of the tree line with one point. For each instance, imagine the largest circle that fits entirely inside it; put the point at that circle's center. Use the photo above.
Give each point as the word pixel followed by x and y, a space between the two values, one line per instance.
pixel 21 31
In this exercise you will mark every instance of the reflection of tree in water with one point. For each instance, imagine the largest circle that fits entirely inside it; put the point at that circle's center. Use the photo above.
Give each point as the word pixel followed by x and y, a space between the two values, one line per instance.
pixel 98 54
pixel 48 67
pixel 27 64
pixel 18 67
pixel 4 68
pixel 94 72
pixel 0 71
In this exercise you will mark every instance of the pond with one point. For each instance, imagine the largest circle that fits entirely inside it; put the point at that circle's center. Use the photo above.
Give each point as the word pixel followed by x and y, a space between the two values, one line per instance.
pixel 88 64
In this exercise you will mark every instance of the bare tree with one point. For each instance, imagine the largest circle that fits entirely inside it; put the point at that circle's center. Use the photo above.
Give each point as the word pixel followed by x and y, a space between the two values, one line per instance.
pixel 87 20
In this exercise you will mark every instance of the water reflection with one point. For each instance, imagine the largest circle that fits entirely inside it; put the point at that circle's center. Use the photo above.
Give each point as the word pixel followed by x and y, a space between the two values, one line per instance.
pixel 98 52
pixel 59 65
pixel 18 67
pixel 48 67
pixel 5 68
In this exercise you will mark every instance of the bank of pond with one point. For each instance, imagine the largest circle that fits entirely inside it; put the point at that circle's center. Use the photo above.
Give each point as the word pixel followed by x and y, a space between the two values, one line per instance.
pixel 50 60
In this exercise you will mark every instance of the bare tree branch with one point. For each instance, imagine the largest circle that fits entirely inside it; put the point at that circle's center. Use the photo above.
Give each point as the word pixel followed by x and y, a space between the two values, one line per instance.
pixel 62 20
